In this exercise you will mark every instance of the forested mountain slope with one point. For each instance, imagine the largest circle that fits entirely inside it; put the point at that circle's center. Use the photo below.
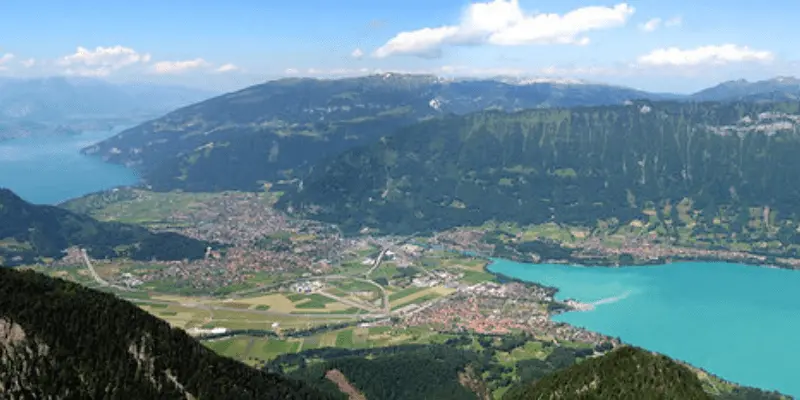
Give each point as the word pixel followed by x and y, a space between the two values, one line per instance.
pixel 59 340
pixel 31 232
pixel 460 370
pixel 270 131
pixel 573 166
pixel 626 373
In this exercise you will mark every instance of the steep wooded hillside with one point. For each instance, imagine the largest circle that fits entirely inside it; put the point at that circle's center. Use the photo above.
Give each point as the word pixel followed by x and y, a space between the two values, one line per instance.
pixel 275 130
pixel 626 373
pixel 29 233
pixel 59 340
pixel 572 166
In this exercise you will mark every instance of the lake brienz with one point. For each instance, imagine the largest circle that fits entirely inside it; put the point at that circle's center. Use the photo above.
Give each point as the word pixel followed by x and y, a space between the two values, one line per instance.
pixel 49 169
pixel 736 321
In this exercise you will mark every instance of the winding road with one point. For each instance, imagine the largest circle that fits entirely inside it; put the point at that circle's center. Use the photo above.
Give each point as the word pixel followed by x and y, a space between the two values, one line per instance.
pixel 97 278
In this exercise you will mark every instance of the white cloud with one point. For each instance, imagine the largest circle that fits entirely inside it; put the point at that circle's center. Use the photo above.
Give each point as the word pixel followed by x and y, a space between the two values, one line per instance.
pixel 705 55
pixel 4 59
pixel 674 21
pixel 655 23
pixel 177 67
pixel 504 23
pixel 227 68
pixel 425 42
pixel 291 71
pixel 104 57
pixel 566 29
pixel 101 61
pixel 357 53
pixel 28 63
pixel 650 25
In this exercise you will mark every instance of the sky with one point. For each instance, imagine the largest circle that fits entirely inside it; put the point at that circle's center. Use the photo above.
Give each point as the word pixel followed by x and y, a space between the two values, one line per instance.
pixel 665 46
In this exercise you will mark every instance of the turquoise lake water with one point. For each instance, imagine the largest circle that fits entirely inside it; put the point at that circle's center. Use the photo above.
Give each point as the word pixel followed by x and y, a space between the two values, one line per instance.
pixel 739 322
pixel 50 169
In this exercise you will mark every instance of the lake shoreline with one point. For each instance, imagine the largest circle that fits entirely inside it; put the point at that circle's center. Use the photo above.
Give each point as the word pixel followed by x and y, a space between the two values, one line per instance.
pixel 552 279
pixel 49 169
pixel 679 255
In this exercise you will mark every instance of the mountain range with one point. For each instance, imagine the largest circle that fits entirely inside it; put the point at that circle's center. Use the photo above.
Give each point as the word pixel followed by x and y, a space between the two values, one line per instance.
pixel 44 104
pixel 62 98
pixel 777 89
pixel 30 233
pixel 281 129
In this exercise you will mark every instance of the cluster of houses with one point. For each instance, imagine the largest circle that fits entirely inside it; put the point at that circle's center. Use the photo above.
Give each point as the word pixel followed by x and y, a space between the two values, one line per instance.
pixel 130 281
pixel 306 287
pixel 436 278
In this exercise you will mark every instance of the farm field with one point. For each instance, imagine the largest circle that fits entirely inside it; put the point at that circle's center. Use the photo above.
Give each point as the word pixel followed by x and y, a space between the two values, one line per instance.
pixel 264 348
pixel 416 297
pixel 187 317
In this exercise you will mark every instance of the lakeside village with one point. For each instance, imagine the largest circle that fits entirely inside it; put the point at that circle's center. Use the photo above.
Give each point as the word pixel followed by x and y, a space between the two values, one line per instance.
pixel 595 250
pixel 485 307
pixel 301 254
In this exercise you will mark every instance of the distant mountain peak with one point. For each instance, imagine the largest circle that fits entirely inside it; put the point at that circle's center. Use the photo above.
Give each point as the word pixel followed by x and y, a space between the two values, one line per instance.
pixel 778 88
pixel 7 195
pixel 527 80
pixel 406 77
pixel 786 80
pixel 400 75
pixel 736 82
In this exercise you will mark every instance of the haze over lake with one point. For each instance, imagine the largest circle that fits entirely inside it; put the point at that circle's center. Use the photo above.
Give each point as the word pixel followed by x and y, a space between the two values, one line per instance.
pixel 50 169
pixel 739 322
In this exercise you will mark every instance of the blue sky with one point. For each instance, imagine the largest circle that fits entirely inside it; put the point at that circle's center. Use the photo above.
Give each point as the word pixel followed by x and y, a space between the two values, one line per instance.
pixel 676 45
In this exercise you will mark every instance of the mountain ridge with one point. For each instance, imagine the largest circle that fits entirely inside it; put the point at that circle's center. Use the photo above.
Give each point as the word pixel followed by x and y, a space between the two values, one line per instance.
pixel 582 166
pixel 30 233
pixel 281 127
pixel 781 88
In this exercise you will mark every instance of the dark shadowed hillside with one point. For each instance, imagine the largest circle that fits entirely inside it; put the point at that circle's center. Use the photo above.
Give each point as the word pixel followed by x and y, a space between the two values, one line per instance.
pixel 59 340
pixel 627 373
pixel 29 233
pixel 459 370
